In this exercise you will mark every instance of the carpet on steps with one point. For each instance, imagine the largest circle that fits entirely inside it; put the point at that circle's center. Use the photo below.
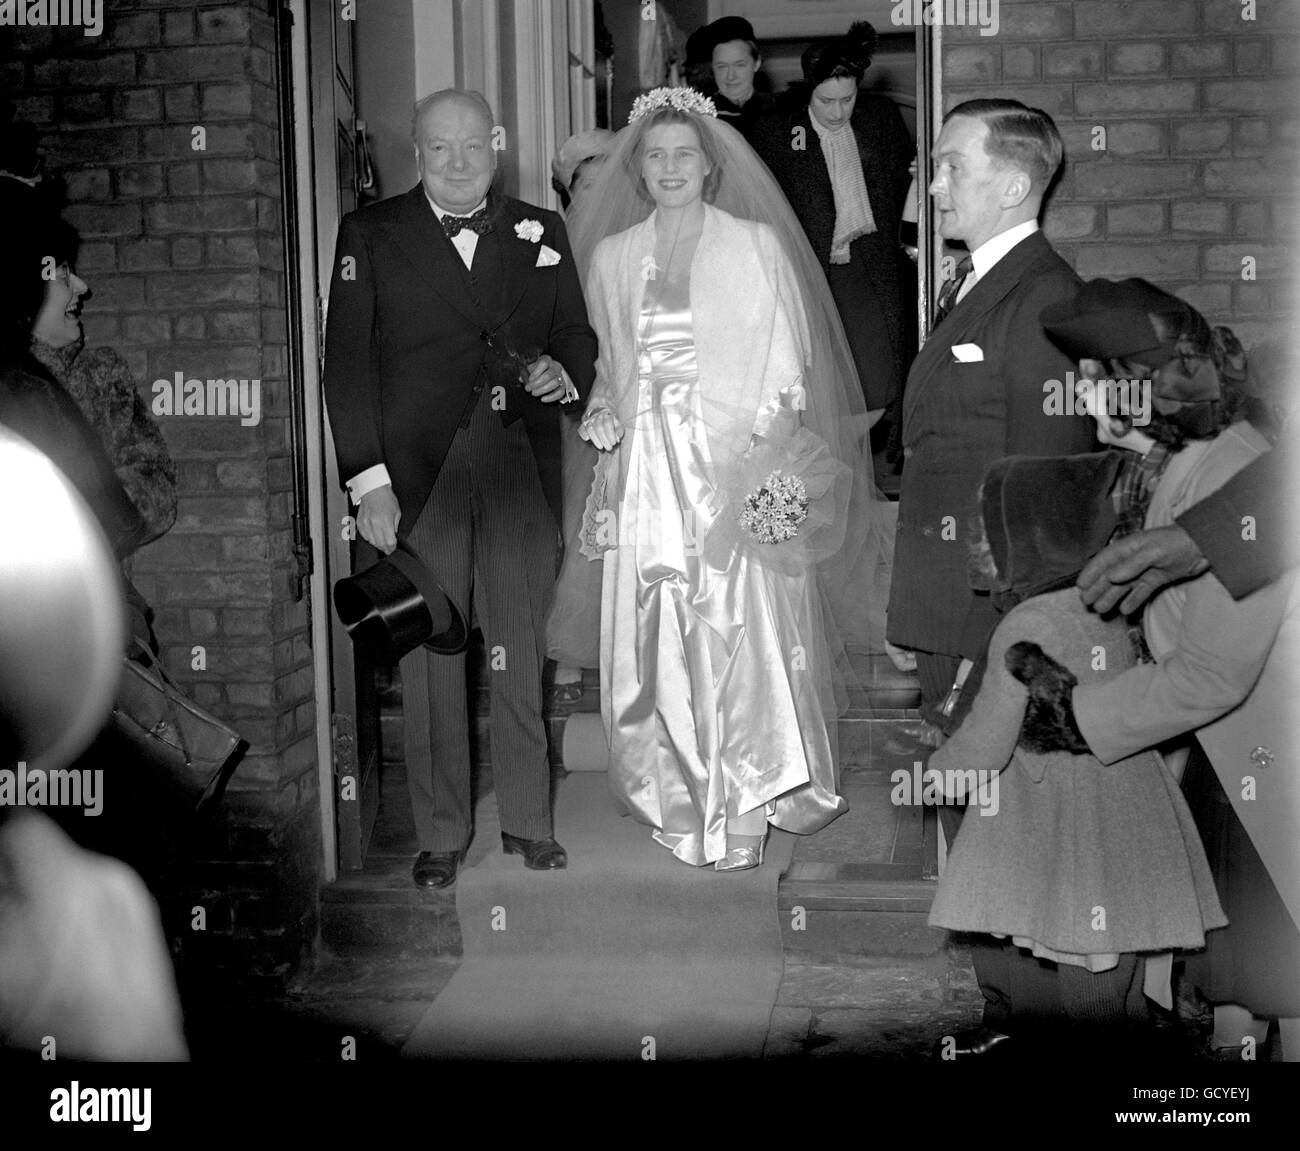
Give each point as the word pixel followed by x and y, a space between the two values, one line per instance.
pixel 627 953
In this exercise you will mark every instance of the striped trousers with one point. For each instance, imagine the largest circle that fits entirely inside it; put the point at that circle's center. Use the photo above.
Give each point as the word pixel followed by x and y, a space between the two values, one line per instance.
pixel 489 535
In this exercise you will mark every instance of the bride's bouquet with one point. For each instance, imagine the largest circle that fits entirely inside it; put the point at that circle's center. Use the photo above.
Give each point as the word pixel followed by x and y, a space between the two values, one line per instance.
pixel 781 504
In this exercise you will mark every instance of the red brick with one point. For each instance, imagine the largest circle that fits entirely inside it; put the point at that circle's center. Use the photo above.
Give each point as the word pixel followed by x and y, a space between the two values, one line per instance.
pixel 1249 177
pixel 191 325
pixel 1077 136
pixel 1020 62
pixel 91 146
pixel 177 142
pixel 194 476
pixel 1250 57
pixel 239 326
pixel 187 64
pixel 211 696
pixel 1248 299
pixel 227 213
pixel 178 27
pixel 100 329
pixel 187 252
pixel 97 256
pixel 139 180
pixel 1116 180
pixel 103 68
pixel 245 661
pixel 116 293
pixel 1071 61
pixel 1033 22
pixel 1267 18
pixel 1070 221
pixel 34 109
pixel 1286 54
pixel 84 107
pixel 1252 219
pixel 1201 137
pixel 294 687
pixel 1226 259
pixel 146 328
pixel 207 513
pixel 268 214
pixel 1138 58
pixel 87 184
pixel 249 695
pixel 202 622
pixel 139 104
pixel 1135 219
pixel 136 30
pixel 228 99
pixel 1198 57
pixel 1209 217
pixel 1136 138
pixel 1250 137
pixel 229 175
pixel 183 179
pixel 972 62
pixel 1209 299
pixel 1241 95
pixel 1112 19
pixel 1159 262
pixel 181 102
pixel 242 474
pixel 1156 96
pixel 244 549
pixel 224 25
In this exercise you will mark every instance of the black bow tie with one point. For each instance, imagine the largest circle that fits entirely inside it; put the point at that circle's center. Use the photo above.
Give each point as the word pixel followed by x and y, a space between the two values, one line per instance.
pixel 478 222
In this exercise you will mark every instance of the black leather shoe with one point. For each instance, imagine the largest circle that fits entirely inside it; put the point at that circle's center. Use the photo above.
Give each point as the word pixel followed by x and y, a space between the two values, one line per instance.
pixel 977 1041
pixel 435 869
pixel 539 854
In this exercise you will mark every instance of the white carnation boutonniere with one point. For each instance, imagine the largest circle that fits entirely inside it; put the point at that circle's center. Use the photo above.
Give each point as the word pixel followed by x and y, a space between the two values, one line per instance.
pixel 530 230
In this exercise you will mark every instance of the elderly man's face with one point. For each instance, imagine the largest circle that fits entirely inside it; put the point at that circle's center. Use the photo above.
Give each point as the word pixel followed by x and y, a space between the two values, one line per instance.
pixel 453 150
pixel 968 185
pixel 734 67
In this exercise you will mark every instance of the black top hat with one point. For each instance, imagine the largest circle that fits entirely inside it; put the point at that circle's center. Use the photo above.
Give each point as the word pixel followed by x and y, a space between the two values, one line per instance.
pixel 701 42
pixel 392 608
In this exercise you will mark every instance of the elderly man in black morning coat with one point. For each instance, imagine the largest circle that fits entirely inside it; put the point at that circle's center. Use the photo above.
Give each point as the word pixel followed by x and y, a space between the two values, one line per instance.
pixel 457 327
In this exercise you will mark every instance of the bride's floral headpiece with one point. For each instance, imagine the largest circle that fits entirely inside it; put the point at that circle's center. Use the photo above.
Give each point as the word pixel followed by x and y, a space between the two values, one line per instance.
pixel 683 99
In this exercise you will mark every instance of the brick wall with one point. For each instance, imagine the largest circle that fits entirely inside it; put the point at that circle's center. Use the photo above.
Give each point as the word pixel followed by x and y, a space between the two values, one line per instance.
pixel 182 250
pixel 1200 116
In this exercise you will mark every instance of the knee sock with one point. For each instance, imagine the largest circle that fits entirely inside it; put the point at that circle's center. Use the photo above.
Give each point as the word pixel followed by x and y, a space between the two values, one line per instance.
pixel 1097 999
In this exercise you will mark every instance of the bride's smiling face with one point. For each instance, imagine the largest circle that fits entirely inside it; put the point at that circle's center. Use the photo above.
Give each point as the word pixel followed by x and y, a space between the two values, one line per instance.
pixel 673 165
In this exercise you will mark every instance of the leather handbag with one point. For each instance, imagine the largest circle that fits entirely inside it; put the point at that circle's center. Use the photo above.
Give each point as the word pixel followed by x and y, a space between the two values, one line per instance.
pixel 193 752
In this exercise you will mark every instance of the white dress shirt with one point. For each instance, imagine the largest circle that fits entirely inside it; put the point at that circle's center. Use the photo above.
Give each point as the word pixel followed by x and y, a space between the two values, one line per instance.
pixel 990 252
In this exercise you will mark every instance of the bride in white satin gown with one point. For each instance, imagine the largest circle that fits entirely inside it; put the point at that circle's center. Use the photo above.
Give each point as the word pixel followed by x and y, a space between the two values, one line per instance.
pixel 717 661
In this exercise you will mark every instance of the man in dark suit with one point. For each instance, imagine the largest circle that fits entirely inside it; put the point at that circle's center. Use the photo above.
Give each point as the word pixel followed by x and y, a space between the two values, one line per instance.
pixel 979 387
pixel 456 328
pixel 978 390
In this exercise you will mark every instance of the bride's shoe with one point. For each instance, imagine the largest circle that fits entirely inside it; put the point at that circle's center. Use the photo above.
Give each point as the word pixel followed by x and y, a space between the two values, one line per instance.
pixel 743 852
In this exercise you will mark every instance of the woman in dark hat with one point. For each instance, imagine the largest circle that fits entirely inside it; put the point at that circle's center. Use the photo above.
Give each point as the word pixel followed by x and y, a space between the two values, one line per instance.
pixel 722 60
pixel 841 156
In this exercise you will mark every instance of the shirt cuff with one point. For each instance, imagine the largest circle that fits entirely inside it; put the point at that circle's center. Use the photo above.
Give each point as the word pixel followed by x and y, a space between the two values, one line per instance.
pixel 363 483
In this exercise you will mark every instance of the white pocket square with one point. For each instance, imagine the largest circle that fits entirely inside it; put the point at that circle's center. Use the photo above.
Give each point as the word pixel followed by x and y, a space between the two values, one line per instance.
pixel 968 353
pixel 547 257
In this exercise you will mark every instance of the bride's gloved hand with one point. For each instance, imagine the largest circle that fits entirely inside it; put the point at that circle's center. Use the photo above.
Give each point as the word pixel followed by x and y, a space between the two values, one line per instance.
pixel 601 427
